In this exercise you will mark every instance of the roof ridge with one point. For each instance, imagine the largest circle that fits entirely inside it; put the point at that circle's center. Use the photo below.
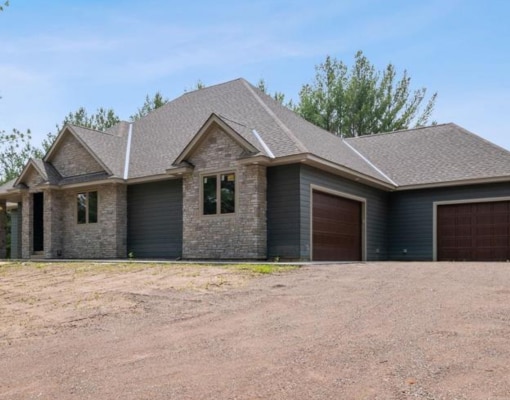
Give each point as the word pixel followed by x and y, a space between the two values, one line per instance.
pixel 399 131
pixel 284 127
pixel 185 94
pixel 95 130
pixel 209 87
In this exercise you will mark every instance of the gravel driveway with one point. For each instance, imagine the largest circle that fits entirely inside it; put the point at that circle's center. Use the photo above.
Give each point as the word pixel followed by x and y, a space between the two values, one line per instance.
pixel 352 331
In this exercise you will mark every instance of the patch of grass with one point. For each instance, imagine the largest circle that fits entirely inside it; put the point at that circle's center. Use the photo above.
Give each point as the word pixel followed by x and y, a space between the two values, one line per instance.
pixel 263 268
pixel 6 266
pixel 189 270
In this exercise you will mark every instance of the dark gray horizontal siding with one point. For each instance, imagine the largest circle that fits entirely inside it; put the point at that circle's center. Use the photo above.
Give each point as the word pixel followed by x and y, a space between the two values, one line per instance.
pixel 376 213
pixel 283 212
pixel 15 234
pixel 411 216
pixel 155 219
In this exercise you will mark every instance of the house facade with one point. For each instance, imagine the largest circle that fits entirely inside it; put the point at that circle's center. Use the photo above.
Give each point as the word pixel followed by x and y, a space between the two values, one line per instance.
pixel 226 172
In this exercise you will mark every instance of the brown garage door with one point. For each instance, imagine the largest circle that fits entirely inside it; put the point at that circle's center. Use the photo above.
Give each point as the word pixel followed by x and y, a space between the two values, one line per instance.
pixel 336 228
pixel 474 231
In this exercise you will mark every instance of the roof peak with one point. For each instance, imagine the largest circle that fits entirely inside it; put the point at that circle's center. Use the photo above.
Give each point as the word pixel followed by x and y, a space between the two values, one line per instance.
pixel 106 132
pixel 214 86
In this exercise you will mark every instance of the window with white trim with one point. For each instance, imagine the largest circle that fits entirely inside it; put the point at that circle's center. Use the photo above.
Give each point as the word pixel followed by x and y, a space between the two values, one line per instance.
pixel 220 187
pixel 86 204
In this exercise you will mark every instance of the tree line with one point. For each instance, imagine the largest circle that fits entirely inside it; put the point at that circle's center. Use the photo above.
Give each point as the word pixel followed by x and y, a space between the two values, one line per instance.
pixel 348 102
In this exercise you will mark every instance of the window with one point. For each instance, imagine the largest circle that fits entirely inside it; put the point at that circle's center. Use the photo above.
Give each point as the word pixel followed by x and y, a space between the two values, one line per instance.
pixel 87 207
pixel 225 191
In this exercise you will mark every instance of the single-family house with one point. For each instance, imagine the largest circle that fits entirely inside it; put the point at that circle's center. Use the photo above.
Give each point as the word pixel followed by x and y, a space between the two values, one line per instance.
pixel 226 172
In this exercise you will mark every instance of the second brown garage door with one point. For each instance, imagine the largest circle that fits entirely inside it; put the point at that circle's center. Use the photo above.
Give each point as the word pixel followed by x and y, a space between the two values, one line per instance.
pixel 473 231
pixel 336 228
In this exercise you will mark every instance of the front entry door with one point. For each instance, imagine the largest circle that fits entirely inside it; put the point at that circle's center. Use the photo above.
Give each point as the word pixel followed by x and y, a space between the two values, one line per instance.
pixel 38 222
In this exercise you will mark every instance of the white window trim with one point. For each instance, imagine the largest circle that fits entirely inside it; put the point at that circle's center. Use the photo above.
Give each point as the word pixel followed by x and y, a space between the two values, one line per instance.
pixel 435 204
pixel 338 193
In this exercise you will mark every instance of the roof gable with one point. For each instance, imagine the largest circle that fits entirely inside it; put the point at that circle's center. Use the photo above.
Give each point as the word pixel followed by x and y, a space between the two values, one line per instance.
pixel 108 149
pixel 71 155
pixel 212 122
pixel 275 131
pixel 30 176
pixel 166 132
pixel 37 172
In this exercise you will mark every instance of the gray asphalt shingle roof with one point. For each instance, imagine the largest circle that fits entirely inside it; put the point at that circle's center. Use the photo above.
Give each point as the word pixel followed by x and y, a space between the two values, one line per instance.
pixel 7 186
pixel 160 137
pixel 430 155
pixel 441 153
pixel 48 171
pixel 170 128
pixel 109 147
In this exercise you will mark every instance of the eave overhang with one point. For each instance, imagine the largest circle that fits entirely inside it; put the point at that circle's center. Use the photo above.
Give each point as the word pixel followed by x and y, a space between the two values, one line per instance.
pixel 460 182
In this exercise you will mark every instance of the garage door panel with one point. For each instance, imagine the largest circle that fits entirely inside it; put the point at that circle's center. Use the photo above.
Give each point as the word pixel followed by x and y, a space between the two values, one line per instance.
pixel 464 209
pixel 500 254
pixel 336 228
pixel 449 231
pixel 501 241
pixel 463 220
pixel 484 242
pixel 483 230
pixel 501 207
pixel 481 208
pixel 450 242
pixel 476 232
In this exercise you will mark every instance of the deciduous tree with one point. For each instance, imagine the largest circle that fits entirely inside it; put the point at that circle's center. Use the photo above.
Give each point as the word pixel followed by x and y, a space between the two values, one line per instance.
pixel 101 120
pixel 151 103
pixel 15 149
pixel 362 100
pixel 278 96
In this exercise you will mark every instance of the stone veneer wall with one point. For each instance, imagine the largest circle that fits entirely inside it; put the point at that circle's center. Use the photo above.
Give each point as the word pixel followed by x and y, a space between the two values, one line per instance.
pixel 26 224
pixel 237 236
pixel 104 239
pixel 52 223
pixel 65 238
pixel 73 159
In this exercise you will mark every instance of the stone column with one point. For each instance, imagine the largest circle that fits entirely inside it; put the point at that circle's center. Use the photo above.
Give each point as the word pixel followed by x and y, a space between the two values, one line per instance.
pixel 26 224
pixel 121 221
pixel 3 229
pixel 52 224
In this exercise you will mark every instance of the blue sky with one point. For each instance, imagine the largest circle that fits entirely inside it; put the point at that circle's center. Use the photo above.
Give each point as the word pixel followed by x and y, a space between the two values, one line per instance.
pixel 57 56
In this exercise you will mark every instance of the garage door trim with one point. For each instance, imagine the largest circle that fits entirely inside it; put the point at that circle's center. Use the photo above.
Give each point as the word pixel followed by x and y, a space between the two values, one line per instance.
pixel 350 196
pixel 436 204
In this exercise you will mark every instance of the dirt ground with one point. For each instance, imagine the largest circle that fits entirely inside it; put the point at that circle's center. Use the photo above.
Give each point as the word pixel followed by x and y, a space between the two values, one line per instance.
pixel 351 331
